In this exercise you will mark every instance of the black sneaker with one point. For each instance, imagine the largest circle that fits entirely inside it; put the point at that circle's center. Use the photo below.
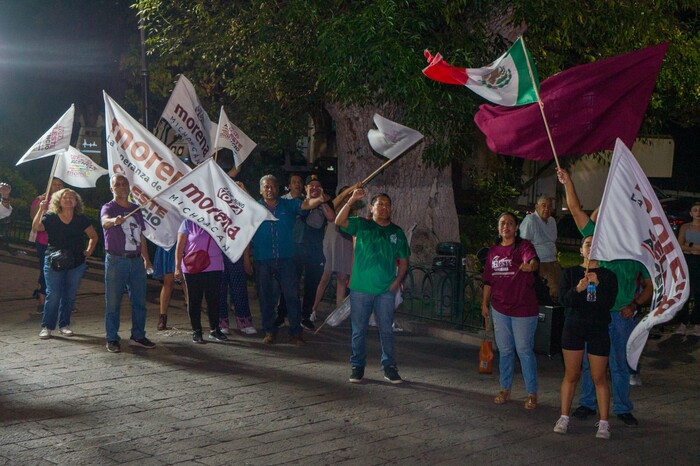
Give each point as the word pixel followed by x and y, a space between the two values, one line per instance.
pixel 391 373
pixel 279 322
pixel 628 419
pixel 582 412
pixel 308 325
pixel 357 374
pixel 197 337
pixel 217 335
pixel 113 347
pixel 142 342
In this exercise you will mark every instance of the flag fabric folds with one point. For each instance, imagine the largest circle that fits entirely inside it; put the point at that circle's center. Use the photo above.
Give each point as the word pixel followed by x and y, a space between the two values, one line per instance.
pixel 210 198
pixel 391 139
pixel 150 168
pixel 54 141
pixel 185 114
pixel 77 169
pixel 506 81
pixel 587 108
pixel 228 136
pixel 632 225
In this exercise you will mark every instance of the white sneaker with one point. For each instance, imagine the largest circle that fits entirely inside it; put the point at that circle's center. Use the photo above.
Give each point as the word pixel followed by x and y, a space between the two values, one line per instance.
pixel 680 330
pixel 225 331
pixel 66 332
pixel 635 380
pixel 603 430
pixel 313 317
pixel 396 328
pixel 45 333
pixel 249 330
pixel 562 425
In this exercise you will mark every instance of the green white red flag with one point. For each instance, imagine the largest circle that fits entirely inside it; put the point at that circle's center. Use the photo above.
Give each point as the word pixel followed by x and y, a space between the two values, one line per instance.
pixel 510 80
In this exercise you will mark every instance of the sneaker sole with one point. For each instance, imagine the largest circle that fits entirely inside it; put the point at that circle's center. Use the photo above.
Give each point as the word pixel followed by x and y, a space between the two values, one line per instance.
pixel 139 345
pixel 355 380
pixel 395 382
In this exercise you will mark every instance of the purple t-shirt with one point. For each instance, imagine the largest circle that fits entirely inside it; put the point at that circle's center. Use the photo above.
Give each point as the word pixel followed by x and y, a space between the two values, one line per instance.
pixel 512 290
pixel 124 238
pixel 197 240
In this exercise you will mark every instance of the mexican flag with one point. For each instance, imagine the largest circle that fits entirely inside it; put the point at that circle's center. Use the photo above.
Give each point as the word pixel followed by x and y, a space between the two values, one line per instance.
pixel 507 81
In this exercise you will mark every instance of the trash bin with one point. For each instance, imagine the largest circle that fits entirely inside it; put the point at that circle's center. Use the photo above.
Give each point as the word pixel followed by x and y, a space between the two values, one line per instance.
pixel 448 276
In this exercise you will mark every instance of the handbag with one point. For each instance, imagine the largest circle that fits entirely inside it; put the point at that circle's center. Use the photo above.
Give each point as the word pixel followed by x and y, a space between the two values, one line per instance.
pixel 62 259
pixel 197 261
pixel 486 352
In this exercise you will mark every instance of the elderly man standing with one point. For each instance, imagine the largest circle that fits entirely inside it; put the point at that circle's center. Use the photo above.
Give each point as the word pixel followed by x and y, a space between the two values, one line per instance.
pixel 540 228
pixel 273 253
pixel 126 261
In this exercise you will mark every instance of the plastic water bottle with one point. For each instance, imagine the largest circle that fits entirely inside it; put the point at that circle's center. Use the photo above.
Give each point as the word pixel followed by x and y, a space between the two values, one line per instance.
pixel 591 292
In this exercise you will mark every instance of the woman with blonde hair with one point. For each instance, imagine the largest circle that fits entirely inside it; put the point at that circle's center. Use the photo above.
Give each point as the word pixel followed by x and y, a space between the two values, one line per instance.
pixel 63 220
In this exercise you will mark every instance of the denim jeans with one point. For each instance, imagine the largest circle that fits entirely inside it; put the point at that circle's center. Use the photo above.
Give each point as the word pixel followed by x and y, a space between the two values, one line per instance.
pixel 233 280
pixel 620 330
pixel 125 273
pixel 283 272
pixel 361 307
pixel 515 334
pixel 61 288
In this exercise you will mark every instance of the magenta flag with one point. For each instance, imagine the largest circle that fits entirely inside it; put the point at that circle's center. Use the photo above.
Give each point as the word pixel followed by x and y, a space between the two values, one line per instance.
pixel 587 108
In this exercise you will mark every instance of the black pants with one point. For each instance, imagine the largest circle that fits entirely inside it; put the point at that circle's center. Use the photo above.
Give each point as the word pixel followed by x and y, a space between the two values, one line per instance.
pixel 203 285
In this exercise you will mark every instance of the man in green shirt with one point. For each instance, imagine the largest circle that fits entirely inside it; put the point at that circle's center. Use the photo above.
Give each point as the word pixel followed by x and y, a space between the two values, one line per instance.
pixel 379 266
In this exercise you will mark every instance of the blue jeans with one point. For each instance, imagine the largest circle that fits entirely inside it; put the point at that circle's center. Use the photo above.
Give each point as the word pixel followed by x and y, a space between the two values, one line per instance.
pixel 361 307
pixel 283 272
pixel 61 288
pixel 233 279
pixel 620 330
pixel 515 334
pixel 130 274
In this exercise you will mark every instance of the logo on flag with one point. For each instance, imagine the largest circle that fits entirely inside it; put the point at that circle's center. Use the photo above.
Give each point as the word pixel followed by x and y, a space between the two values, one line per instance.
pixel 208 197
pixel 632 225
pixel 77 169
pixel 391 139
pixel 510 80
pixel 229 136
pixel 55 140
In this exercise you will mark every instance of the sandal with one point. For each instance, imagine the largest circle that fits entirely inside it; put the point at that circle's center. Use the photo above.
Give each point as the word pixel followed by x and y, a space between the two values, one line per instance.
pixel 502 397
pixel 531 401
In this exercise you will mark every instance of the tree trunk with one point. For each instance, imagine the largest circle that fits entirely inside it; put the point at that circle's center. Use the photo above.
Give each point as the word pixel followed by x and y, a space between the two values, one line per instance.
pixel 420 194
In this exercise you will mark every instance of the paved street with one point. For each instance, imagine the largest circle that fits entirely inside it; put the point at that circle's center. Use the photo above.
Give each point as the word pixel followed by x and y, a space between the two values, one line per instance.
pixel 68 401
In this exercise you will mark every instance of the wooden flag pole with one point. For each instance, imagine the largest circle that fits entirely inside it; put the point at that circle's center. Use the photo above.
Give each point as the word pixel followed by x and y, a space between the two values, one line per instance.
pixel 540 104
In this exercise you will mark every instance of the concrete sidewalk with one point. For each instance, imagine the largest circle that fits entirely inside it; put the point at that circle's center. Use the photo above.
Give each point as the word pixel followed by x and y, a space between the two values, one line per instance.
pixel 68 401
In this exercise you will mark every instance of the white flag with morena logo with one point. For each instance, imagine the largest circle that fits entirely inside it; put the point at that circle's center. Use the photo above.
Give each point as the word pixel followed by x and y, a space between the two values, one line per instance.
pixel 229 136
pixel 632 225
pixel 391 139
pixel 510 80
pixel 77 169
pixel 55 140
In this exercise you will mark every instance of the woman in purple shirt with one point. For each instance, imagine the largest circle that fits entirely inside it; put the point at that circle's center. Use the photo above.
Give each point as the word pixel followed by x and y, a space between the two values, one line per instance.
pixel 202 284
pixel 509 293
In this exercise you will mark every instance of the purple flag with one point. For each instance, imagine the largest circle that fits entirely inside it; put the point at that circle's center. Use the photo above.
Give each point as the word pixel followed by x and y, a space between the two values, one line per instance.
pixel 587 107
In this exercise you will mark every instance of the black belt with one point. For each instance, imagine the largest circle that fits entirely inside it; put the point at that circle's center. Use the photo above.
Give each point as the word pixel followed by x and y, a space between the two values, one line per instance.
pixel 130 255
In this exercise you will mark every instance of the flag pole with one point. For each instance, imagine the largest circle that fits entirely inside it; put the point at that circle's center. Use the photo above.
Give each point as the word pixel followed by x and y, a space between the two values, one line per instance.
pixel 53 172
pixel 216 140
pixel 540 104
pixel 369 178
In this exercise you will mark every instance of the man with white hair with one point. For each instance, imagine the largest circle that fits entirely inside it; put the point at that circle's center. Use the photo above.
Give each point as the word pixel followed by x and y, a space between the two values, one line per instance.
pixel 540 228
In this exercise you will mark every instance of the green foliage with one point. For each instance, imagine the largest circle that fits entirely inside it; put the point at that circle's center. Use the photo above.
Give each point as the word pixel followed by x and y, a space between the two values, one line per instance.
pixel 23 193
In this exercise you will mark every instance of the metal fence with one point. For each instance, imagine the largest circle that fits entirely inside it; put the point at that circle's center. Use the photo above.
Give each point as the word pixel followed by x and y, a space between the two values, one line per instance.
pixel 449 296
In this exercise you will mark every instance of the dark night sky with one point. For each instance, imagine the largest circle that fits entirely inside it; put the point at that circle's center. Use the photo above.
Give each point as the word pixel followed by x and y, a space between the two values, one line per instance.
pixel 52 54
